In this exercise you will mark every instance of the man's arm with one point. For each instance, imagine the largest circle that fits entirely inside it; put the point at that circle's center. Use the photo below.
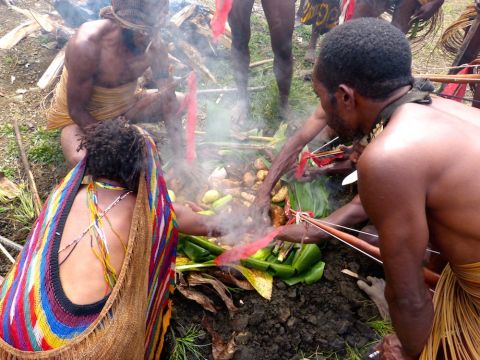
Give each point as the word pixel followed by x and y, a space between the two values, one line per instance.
pixel 191 223
pixel 426 11
pixel 81 59
pixel 393 192
pixel 348 215
pixel 289 155
pixel 163 78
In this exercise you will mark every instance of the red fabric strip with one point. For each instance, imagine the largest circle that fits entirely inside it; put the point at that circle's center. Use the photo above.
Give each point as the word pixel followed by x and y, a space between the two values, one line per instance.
pixel 222 9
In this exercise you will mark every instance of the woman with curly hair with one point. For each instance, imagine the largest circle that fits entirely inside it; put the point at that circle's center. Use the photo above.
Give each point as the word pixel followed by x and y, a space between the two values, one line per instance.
pixel 94 278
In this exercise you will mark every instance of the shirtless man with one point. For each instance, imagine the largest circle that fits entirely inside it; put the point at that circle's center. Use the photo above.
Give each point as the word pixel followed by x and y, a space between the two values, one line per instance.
pixel 103 62
pixel 280 16
pixel 414 189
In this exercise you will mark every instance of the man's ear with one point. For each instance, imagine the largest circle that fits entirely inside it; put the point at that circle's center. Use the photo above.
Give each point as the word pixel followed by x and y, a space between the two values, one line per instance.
pixel 345 96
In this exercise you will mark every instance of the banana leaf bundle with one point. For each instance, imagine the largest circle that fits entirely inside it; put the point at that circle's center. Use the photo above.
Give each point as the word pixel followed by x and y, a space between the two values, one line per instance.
pixel 302 263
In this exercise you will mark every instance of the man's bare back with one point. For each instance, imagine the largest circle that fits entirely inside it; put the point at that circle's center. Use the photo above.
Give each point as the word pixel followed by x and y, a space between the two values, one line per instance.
pixel 442 169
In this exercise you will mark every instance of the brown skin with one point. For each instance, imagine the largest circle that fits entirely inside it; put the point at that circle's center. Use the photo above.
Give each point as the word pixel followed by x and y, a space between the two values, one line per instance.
pixel 348 215
pixel 288 156
pixel 412 160
pixel 280 16
pixel 404 12
pixel 97 56
pixel 82 273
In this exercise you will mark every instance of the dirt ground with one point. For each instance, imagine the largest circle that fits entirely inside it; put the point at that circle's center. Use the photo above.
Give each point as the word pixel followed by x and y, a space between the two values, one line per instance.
pixel 327 319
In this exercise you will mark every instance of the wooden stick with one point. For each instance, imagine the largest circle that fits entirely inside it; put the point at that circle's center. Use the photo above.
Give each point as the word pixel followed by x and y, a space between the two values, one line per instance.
pixel 455 79
pixel 260 63
pixel 31 180
pixel 7 254
pixel 431 278
pixel 227 90
pixel 14 36
pixel 53 71
pixel 10 243
pixel 179 18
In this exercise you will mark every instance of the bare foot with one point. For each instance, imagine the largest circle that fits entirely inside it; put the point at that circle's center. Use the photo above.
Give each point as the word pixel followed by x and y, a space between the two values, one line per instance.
pixel 376 293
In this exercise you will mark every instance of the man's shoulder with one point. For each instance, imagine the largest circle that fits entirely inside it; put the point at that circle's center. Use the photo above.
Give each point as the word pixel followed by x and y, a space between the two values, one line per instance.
pixel 95 31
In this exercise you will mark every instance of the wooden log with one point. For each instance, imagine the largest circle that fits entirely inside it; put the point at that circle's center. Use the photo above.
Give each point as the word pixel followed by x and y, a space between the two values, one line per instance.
pixel 53 71
pixel 14 36
pixel 31 180
pixel 194 59
pixel 225 41
pixel 180 17
pixel 43 20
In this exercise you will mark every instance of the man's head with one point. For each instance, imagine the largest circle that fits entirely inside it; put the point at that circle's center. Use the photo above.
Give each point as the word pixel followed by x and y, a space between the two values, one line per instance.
pixel 115 151
pixel 141 15
pixel 362 59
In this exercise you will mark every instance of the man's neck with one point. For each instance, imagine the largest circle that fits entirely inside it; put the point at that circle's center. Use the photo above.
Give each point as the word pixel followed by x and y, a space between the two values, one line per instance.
pixel 372 107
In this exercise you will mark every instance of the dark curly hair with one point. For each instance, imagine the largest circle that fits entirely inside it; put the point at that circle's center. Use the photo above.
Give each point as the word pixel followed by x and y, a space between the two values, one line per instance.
pixel 116 151
pixel 368 54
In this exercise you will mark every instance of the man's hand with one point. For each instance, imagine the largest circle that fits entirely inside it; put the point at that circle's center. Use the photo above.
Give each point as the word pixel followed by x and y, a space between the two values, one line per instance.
pixel 426 11
pixel 391 349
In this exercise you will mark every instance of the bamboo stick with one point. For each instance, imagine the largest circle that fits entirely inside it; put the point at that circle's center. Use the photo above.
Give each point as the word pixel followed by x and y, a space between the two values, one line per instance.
pixel 260 63
pixel 33 187
pixel 431 278
pixel 455 79
pixel 10 243
pixel 227 90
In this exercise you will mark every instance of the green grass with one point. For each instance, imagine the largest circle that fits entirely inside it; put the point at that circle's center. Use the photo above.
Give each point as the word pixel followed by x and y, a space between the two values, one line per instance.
pixel 381 327
pixel 186 347
pixel 23 210
pixel 45 147
pixel 8 171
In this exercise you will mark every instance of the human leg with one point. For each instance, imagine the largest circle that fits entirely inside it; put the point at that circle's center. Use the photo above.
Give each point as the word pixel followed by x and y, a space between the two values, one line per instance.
pixel 280 16
pixel 403 13
pixel 369 8
pixel 239 20
pixel 70 140
pixel 312 45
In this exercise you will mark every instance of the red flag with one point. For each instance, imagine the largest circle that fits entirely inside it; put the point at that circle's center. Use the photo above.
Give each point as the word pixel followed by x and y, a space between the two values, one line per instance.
pixel 191 116
pixel 222 9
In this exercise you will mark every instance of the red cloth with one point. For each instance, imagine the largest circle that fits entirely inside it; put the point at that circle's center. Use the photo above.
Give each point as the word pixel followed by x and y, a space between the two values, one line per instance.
pixel 222 9
pixel 318 161
pixel 191 100
pixel 457 90
pixel 243 251
pixel 350 10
